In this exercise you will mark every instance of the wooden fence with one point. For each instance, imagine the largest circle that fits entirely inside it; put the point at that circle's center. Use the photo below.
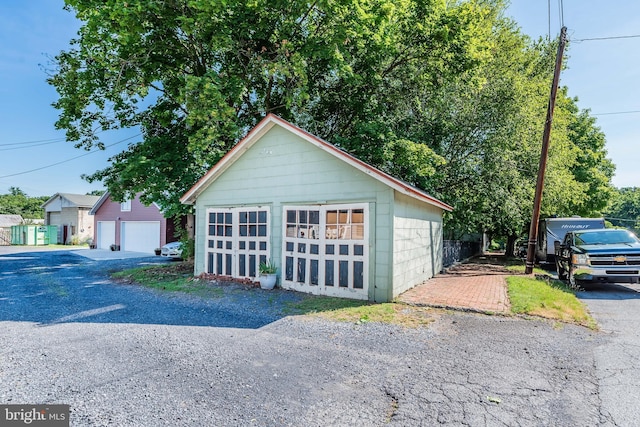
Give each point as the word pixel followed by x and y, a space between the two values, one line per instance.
pixel 5 236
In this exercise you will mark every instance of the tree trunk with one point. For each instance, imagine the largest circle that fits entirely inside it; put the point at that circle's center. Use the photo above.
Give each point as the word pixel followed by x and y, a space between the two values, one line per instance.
pixel 511 246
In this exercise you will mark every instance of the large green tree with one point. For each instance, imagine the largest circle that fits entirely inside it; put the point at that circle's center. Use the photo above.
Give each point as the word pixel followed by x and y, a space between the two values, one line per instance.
pixel 448 96
pixel 17 202
pixel 196 75
pixel 624 210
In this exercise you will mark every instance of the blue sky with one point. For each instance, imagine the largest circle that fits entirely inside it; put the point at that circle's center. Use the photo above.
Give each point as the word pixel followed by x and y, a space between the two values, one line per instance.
pixel 604 75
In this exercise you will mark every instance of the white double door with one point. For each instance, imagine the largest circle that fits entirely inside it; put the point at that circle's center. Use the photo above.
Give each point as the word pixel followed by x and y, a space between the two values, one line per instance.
pixel 326 249
pixel 237 241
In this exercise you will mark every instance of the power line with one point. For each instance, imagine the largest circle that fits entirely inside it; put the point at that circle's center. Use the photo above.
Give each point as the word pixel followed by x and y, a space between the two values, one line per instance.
pixel 30 145
pixel 68 160
pixel 32 142
pixel 43 141
pixel 616 112
pixel 621 219
pixel 632 36
pixel 561 12
pixel 549 19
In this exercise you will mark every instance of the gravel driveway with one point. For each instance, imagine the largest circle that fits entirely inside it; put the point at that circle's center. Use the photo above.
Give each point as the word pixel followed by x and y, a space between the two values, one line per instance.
pixel 122 355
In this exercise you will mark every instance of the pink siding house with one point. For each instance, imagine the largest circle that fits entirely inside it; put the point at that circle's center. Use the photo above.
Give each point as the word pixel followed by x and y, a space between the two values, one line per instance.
pixel 130 225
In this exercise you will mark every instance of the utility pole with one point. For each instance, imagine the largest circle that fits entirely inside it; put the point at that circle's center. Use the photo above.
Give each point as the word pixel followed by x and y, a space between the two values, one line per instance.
pixel 535 217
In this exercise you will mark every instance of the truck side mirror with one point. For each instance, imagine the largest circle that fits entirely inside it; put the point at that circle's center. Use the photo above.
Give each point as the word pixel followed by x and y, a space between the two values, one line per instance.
pixel 556 244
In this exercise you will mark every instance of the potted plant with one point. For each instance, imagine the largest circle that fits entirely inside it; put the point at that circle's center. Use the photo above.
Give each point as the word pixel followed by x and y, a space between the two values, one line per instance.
pixel 268 275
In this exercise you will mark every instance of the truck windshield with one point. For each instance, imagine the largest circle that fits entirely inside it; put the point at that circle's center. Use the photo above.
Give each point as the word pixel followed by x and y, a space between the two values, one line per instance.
pixel 607 237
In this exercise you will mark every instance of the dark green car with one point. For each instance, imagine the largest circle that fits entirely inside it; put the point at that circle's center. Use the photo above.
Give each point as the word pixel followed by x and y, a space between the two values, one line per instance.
pixel 608 255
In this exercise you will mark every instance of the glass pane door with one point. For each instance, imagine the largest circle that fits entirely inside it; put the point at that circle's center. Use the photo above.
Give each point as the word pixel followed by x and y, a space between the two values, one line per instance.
pixel 238 241
pixel 326 249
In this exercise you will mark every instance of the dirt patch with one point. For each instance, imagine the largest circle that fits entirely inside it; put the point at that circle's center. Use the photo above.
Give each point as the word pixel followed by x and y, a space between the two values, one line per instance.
pixel 157 273
pixel 176 268
pixel 483 265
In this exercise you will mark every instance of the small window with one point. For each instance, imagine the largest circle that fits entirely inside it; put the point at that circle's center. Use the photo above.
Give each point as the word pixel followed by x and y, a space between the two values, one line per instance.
pixel 125 206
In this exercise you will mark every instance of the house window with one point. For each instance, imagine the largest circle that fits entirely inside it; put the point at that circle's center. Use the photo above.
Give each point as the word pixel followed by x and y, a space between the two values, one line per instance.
pixel 125 206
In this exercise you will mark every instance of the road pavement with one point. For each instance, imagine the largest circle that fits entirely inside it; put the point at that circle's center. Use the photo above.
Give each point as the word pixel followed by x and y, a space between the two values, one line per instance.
pixel 122 355
pixel 617 310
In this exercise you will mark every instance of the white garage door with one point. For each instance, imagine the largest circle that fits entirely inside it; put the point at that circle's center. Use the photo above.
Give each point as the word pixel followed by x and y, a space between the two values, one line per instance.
pixel 106 234
pixel 140 236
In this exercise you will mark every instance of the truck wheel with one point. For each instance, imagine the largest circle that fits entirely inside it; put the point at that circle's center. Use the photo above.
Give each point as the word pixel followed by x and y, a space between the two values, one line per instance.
pixel 562 275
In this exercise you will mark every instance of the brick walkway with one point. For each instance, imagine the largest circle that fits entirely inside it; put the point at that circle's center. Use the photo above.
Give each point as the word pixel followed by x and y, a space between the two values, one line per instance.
pixel 472 286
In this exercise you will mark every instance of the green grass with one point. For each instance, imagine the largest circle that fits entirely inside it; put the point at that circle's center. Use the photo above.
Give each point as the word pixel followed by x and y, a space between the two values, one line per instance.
pixel 549 299
pixel 535 297
pixel 176 277
pixel 354 311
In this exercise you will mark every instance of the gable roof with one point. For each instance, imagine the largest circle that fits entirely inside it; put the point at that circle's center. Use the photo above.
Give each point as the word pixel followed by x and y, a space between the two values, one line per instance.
pixel 272 120
pixel 99 203
pixel 79 200
pixel 9 220
pixel 104 198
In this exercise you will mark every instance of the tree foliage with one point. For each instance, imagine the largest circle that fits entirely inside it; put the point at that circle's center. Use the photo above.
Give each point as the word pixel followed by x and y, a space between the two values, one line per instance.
pixel 448 96
pixel 196 75
pixel 625 209
pixel 17 202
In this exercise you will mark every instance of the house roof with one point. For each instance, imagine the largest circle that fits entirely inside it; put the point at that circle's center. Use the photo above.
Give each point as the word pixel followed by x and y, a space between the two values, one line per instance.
pixel 99 203
pixel 79 200
pixel 104 198
pixel 272 120
pixel 10 220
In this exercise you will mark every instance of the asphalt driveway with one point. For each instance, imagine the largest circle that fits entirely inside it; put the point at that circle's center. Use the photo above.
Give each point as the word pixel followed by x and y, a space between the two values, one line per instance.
pixel 617 308
pixel 122 355
pixel 65 286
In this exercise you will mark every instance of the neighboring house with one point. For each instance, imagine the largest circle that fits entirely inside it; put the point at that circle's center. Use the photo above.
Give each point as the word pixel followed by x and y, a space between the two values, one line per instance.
pixel 333 224
pixel 6 222
pixel 70 212
pixel 130 225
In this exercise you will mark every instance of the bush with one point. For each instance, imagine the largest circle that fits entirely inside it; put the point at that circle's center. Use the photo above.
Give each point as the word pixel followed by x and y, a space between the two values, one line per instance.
pixel 188 244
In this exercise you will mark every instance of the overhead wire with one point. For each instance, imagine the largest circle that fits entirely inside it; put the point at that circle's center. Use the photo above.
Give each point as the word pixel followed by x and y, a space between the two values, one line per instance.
pixel 30 146
pixel 622 219
pixel 561 17
pixel 549 19
pixel 561 12
pixel 68 160
pixel 7 144
pixel 632 36
pixel 616 112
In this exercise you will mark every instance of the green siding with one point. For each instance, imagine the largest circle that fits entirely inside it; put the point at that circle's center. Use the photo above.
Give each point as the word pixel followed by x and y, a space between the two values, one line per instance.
pixel 417 243
pixel 284 169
